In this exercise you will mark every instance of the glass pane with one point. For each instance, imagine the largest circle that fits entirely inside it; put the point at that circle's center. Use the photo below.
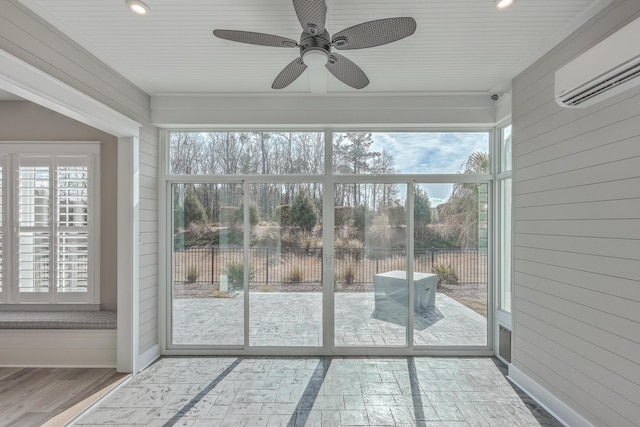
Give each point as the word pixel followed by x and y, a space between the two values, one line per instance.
pixel 72 196
pixel 505 246
pixel 450 240
pixel 505 149
pixel 72 261
pixel 232 153
pixel 72 210
pixel 33 192
pixel 285 284
pixel 370 286
pixel 33 229
pixel 207 264
pixel 409 152
pixel 33 261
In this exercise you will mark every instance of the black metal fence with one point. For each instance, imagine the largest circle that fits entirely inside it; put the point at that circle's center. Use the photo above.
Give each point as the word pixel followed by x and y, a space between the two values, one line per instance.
pixel 351 266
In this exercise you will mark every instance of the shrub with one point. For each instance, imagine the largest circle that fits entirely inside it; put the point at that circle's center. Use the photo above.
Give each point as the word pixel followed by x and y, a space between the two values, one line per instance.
pixel 228 214
pixel 353 248
pixel 197 230
pixel 421 206
pixel 302 213
pixel 446 274
pixel 342 215
pixel 192 210
pixel 379 232
pixel 192 274
pixel 235 273
pixel 348 273
pixel 289 239
pixel 282 215
pixel 397 216
pixel 231 236
pixel 431 236
pixel 238 215
pixel 296 275
pixel 361 217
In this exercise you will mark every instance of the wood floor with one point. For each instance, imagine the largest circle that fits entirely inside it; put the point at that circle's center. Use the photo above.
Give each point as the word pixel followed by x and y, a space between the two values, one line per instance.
pixel 50 396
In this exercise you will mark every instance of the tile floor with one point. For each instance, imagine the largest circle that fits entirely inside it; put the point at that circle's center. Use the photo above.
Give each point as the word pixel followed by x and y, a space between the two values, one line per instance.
pixel 317 391
pixel 295 319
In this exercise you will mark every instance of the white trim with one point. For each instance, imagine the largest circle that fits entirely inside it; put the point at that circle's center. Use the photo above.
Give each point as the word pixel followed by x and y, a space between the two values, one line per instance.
pixel 30 83
pixel 341 112
pixel 148 357
pixel 164 256
pixel 58 348
pixel 128 255
pixel 556 407
pixel 83 154
pixel 51 148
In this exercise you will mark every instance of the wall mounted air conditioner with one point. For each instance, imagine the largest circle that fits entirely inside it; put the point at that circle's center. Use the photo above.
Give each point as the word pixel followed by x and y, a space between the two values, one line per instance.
pixel 608 68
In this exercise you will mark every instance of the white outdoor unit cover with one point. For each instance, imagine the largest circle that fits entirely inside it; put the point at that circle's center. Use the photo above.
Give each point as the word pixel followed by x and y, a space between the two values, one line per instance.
pixel 608 68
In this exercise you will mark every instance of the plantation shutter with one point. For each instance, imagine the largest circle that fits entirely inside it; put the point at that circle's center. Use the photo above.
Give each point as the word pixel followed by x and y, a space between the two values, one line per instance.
pixel 72 227
pixel 53 229
pixel 3 288
pixel 34 228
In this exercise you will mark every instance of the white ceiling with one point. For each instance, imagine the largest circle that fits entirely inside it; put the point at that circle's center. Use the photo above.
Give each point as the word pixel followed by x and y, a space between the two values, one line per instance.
pixel 459 45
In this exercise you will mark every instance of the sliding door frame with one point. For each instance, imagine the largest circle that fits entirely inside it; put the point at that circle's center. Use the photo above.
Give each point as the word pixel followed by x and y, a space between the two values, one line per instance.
pixel 328 181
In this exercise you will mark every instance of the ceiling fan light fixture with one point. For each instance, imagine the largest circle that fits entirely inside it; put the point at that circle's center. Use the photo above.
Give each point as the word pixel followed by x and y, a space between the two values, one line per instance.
pixel 315 58
pixel 503 4
pixel 137 6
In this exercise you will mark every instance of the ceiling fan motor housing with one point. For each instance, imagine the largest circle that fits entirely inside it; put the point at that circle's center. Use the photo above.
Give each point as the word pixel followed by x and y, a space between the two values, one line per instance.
pixel 310 43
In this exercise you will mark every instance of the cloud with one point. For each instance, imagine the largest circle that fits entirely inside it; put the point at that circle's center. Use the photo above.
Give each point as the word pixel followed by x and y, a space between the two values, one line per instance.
pixel 430 152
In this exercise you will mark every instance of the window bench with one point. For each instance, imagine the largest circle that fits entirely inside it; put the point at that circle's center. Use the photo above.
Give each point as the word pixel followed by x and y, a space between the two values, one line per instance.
pixel 62 338
pixel 57 320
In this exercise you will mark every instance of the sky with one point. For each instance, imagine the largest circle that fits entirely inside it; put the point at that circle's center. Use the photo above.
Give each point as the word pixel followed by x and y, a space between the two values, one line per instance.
pixel 431 153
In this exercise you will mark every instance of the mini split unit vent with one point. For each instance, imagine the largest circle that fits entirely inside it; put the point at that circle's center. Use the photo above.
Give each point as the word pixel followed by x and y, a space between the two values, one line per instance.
pixel 608 68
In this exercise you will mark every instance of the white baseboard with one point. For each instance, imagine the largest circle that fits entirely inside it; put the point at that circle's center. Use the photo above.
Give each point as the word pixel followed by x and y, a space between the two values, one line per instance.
pixel 54 348
pixel 148 357
pixel 556 407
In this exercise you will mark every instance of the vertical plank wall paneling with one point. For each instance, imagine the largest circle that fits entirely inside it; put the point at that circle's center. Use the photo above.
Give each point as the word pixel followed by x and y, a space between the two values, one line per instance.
pixel 36 42
pixel 577 236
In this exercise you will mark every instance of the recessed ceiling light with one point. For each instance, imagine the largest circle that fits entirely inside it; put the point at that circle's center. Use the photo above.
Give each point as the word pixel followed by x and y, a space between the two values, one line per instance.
pixel 503 4
pixel 138 7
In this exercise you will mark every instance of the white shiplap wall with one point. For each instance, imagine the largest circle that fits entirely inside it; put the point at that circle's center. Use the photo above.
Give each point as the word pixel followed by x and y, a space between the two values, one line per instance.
pixel 29 38
pixel 577 237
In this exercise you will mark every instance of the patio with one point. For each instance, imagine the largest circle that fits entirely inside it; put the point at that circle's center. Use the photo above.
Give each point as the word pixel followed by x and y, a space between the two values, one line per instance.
pixel 295 319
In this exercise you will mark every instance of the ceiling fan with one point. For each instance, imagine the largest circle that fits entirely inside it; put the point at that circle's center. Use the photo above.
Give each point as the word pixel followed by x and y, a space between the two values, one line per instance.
pixel 316 43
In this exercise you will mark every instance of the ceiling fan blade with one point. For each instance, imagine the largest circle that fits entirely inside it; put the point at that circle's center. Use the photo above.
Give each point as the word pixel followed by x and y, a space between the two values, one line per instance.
pixel 374 33
pixel 289 74
pixel 255 38
pixel 312 15
pixel 347 71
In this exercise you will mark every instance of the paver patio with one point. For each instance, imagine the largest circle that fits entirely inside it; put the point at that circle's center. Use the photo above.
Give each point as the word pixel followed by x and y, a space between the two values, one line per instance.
pixel 295 319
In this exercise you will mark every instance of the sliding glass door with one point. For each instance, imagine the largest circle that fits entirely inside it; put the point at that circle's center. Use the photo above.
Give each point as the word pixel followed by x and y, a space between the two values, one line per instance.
pixel 285 265
pixel 207 265
pixel 371 290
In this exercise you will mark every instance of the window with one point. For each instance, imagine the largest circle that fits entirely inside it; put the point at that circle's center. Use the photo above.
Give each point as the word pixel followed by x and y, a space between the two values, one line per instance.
pixel 505 197
pixel 49 218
